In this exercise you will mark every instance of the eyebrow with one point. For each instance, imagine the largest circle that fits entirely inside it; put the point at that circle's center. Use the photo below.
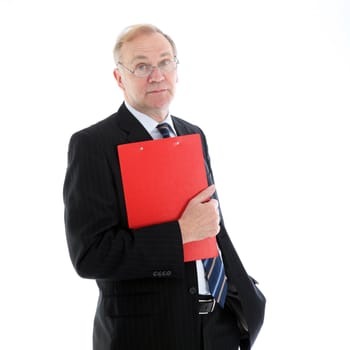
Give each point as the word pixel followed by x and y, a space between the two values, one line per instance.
pixel 142 57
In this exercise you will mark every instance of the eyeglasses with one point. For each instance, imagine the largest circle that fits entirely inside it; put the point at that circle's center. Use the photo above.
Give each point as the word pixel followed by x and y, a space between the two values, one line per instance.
pixel 144 70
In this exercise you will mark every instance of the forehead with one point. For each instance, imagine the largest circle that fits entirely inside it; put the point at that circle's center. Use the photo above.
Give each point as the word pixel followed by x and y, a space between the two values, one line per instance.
pixel 146 46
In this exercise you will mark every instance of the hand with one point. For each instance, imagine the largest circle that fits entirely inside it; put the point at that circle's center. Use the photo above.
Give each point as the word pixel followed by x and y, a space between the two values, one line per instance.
pixel 201 218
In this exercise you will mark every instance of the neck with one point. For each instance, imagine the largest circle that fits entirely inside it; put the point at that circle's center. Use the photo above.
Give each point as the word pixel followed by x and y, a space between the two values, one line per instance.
pixel 158 115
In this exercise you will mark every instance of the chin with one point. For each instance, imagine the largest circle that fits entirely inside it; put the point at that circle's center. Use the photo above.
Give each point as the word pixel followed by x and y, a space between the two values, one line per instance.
pixel 161 103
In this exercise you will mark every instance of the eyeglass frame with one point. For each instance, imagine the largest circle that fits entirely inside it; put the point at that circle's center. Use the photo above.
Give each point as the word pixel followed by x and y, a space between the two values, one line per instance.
pixel 175 60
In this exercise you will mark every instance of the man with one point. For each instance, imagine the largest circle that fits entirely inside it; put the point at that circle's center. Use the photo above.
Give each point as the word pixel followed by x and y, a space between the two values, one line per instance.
pixel 149 298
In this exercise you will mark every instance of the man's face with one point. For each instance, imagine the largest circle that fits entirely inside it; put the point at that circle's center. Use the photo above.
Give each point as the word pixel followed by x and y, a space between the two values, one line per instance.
pixel 153 93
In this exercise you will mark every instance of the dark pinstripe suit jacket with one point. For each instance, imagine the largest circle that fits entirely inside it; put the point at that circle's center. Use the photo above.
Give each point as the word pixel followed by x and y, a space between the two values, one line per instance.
pixel 148 296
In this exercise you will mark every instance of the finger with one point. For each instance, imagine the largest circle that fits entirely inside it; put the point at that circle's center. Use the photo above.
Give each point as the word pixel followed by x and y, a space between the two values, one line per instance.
pixel 205 195
pixel 215 203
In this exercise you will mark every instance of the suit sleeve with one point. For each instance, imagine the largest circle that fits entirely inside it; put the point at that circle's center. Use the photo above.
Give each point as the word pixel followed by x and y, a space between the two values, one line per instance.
pixel 100 244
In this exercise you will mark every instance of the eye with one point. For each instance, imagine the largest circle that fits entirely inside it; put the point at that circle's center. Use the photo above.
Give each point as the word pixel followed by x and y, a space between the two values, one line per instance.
pixel 164 63
pixel 142 67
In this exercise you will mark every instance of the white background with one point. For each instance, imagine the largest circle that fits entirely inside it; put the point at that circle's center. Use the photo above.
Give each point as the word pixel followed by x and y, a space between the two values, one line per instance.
pixel 268 81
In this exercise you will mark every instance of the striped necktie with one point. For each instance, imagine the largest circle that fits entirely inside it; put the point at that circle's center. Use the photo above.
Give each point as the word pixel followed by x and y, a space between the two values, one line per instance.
pixel 217 280
pixel 164 129
pixel 215 270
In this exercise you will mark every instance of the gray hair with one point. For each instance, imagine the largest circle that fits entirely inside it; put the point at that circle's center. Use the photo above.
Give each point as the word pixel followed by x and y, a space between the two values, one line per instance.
pixel 131 32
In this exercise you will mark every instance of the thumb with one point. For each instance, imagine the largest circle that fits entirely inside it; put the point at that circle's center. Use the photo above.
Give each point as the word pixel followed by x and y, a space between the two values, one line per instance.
pixel 205 195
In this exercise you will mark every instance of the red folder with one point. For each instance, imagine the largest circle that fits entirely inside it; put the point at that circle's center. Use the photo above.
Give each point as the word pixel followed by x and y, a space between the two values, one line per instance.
pixel 159 178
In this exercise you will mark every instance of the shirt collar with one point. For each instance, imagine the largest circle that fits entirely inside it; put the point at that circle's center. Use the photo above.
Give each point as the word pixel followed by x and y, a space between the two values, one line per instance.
pixel 149 123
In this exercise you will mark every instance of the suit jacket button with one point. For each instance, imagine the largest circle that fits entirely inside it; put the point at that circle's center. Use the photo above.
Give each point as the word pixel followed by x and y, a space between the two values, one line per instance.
pixel 193 290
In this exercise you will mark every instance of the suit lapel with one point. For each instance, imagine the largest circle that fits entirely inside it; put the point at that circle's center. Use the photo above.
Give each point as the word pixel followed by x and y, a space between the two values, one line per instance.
pixel 180 127
pixel 133 129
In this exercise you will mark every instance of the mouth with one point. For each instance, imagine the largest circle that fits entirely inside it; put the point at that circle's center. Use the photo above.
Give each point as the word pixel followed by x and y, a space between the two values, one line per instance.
pixel 158 91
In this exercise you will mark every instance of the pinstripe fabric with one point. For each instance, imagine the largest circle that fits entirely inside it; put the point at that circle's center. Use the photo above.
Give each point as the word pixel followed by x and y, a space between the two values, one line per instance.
pixel 147 295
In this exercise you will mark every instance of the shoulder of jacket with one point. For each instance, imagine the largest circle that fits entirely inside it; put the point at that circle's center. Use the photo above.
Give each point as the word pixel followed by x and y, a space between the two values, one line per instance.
pixel 187 125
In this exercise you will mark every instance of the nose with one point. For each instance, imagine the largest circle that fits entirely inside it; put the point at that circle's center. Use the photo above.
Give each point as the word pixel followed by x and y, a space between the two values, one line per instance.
pixel 156 75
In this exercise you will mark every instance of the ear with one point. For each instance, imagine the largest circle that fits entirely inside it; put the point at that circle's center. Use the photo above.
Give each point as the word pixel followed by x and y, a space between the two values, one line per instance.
pixel 118 77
